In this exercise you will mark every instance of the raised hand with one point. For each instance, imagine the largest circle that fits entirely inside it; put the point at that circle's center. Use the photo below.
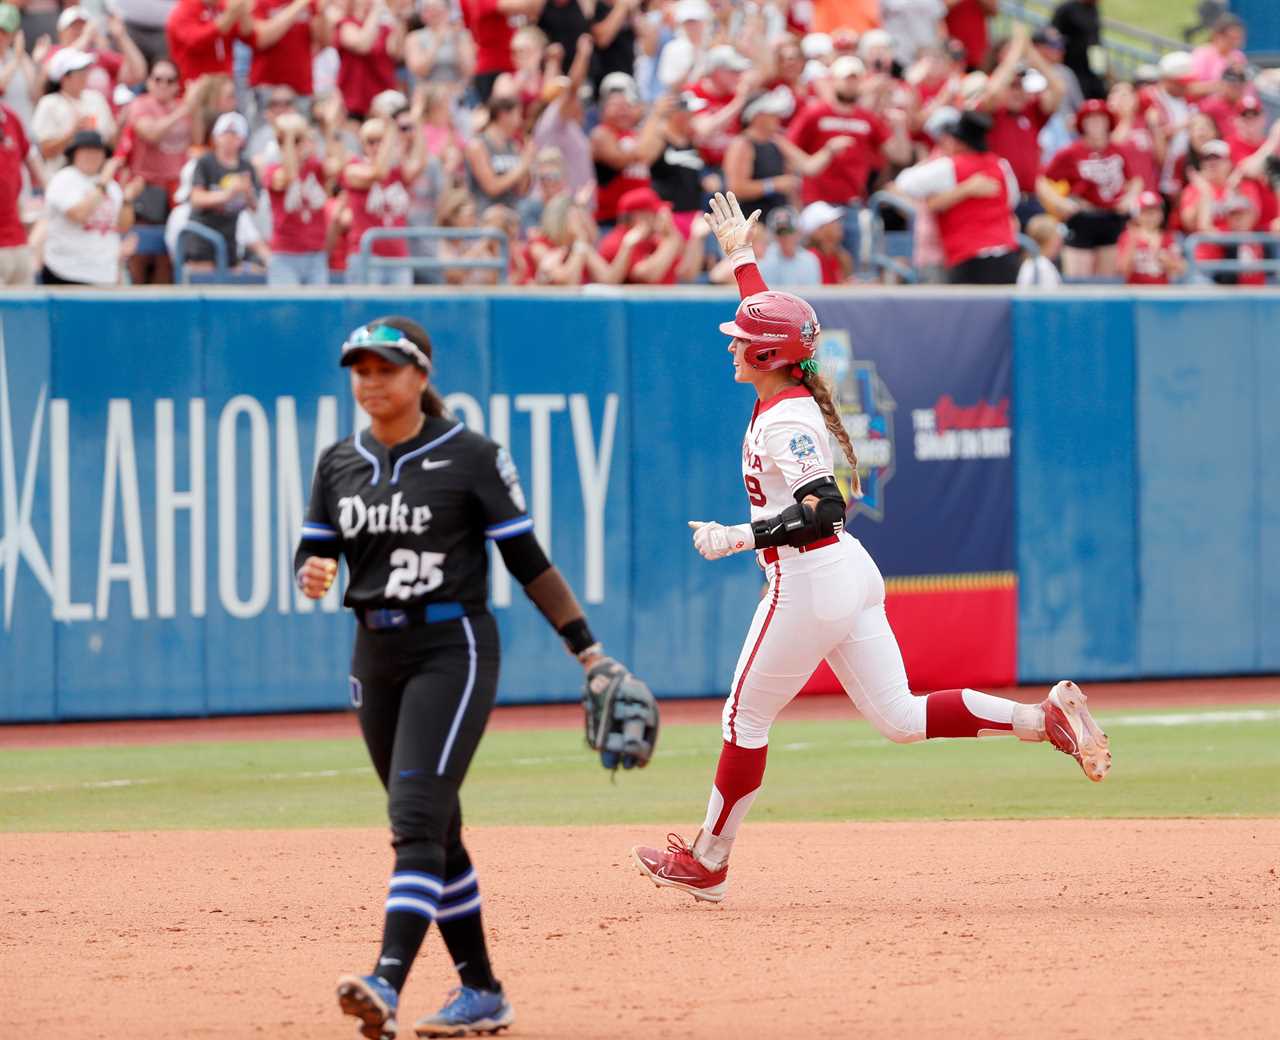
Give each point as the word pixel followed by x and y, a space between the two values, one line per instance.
pixel 731 228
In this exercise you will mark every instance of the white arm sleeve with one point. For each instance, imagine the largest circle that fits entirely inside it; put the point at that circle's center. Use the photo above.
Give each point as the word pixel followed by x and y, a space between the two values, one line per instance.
pixel 927 178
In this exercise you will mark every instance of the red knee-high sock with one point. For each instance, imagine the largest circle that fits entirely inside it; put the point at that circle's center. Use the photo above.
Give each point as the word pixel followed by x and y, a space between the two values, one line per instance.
pixel 966 713
pixel 738 778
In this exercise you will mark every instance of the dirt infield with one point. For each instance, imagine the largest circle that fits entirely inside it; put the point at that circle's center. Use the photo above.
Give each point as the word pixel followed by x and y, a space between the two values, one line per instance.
pixel 1103 696
pixel 1017 929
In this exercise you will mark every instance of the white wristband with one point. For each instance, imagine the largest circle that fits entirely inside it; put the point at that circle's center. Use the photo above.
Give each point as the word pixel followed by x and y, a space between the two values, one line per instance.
pixel 742 256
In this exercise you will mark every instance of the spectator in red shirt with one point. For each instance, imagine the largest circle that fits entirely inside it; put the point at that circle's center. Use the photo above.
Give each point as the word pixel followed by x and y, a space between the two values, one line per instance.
pixel 286 36
pixel 1203 206
pixel 1232 91
pixel 725 85
pixel 201 32
pixel 377 188
pixel 162 129
pixel 370 41
pixel 298 199
pixel 1090 184
pixel 659 253
pixel 1147 253
pixel 17 267
pixel 125 65
pixel 489 22
pixel 1021 96
pixel 967 22
pixel 846 180
pixel 623 154
pixel 973 192
pixel 822 226
pixel 1144 144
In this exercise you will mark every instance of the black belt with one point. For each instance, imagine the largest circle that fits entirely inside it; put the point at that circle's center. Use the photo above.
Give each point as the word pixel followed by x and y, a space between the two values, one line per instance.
pixel 409 617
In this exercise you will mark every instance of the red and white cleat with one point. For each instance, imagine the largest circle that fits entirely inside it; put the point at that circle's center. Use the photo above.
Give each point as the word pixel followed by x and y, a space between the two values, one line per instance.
pixel 679 868
pixel 1071 729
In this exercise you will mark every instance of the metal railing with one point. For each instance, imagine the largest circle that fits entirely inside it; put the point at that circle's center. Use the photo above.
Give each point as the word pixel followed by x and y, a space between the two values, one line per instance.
pixel 1127 46
pixel 208 235
pixel 1205 269
pixel 365 260
pixel 883 259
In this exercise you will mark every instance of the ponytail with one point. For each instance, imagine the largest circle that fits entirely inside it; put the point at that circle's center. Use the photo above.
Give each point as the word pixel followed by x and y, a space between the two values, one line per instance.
pixel 824 395
pixel 432 403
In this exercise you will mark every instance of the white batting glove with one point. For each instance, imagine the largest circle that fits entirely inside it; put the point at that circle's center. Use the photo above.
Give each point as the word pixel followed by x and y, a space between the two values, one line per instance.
pixel 715 541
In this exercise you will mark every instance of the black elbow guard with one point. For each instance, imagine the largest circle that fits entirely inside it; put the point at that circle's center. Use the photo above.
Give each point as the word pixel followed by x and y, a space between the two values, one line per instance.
pixel 524 557
pixel 828 511
pixel 793 526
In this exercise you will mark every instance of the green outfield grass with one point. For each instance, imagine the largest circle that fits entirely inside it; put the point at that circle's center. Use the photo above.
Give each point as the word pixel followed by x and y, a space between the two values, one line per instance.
pixel 817 771
pixel 1166 17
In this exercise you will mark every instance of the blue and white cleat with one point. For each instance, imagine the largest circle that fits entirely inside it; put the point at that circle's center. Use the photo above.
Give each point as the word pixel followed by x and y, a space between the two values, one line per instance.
pixel 468 1012
pixel 373 1000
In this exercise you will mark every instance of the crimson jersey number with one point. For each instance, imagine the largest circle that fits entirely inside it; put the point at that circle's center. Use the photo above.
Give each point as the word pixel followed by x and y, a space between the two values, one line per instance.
pixel 755 493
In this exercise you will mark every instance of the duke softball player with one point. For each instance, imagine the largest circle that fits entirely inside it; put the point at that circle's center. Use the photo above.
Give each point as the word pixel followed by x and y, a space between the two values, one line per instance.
pixel 825 595
pixel 410 503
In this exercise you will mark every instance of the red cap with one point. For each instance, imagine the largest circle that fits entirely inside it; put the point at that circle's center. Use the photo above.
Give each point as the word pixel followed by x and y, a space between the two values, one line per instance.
pixel 1250 104
pixel 1150 200
pixel 1095 107
pixel 640 200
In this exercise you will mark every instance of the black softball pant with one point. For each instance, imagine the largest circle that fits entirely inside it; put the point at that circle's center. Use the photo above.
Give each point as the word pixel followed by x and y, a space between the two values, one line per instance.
pixel 423 696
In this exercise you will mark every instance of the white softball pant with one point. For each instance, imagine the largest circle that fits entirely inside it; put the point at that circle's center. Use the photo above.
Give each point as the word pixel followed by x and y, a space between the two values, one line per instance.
pixel 824 604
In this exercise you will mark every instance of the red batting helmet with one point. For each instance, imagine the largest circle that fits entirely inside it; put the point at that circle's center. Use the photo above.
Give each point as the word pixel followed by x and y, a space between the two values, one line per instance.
pixel 781 329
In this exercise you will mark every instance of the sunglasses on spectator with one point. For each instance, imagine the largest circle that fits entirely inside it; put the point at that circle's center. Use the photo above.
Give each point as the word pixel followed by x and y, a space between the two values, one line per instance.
pixel 373 142
pixel 405 128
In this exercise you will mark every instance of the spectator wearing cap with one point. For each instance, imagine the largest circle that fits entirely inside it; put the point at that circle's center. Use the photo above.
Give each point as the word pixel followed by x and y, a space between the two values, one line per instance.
pixel 377 185
pixel 490 25
pixel 1257 158
pixel 370 43
pixel 622 152
pixel 681 59
pixel 1240 213
pixel 497 164
pixel 1021 96
pixel 764 169
pixel 1148 253
pixel 201 34
pixel 1091 186
pixel 547 183
pixel 442 51
pixel 16 153
pixel 1144 144
pixel 679 173
pixel 93 36
pixel 69 107
pixel 1168 110
pixel 822 228
pixel 18 74
pixel 1225 104
pixel 912 25
pixel 223 185
pixel 726 83
pixel 1202 206
pixel 87 211
pixel 785 262
pixel 1224 49
pixel 287 35
pixel 613 31
pixel 846 180
pixel 1050 45
pixel 659 253
pixel 296 188
pixel 972 191
pixel 1080 24
pixel 560 125
pixel 967 22
pixel 875 51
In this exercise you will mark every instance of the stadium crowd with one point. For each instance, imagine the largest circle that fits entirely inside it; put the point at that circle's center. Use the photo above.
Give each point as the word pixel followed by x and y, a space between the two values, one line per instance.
pixel 578 139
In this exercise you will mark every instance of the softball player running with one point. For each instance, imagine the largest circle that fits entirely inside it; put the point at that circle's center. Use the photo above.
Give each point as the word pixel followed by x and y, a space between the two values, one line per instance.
pixel 410 503
pixel 825 595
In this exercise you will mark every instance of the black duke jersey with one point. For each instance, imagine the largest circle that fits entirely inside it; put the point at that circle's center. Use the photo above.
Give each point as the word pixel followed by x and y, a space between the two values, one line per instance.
pixel 412 522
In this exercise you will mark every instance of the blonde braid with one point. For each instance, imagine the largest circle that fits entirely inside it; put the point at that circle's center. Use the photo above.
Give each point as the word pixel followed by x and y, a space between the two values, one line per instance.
pixel 824 395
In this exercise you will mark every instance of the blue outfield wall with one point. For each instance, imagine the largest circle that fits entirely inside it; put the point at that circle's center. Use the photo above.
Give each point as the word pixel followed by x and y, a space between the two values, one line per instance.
pixel 156 453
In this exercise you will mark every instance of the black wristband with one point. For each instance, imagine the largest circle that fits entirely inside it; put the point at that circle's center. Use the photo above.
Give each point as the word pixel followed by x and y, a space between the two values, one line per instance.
pixel 577 636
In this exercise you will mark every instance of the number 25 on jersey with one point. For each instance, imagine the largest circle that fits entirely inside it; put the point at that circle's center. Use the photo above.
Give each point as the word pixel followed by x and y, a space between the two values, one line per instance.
pixel 414 573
